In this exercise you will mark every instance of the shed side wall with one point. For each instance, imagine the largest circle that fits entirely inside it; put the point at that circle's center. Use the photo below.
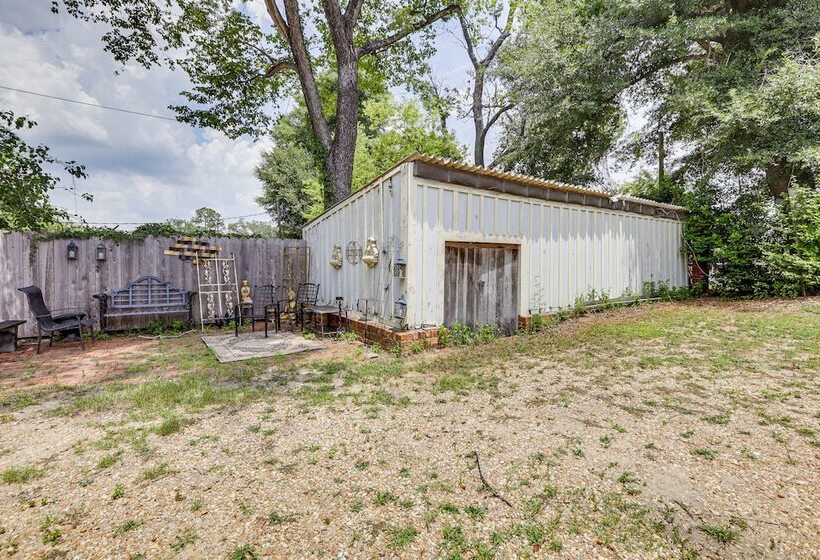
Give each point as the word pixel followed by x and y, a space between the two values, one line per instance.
pixel 566 250
pixel 375 211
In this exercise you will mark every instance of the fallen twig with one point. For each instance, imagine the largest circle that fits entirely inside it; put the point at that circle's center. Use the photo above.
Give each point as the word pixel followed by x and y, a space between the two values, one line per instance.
pixel 684 508
pixel 489 487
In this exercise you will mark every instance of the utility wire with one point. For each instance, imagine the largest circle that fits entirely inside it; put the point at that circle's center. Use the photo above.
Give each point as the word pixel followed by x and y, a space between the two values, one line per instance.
pixel 143 223
pixel 129 111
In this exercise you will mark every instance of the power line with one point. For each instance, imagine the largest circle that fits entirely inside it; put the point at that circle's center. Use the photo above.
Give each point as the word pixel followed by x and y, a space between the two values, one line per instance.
pixel 78 102
pixel 143 223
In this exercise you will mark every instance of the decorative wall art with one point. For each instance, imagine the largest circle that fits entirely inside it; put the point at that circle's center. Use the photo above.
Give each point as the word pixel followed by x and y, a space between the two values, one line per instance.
pixel 371 253
pixel 336 260
pixel 354 252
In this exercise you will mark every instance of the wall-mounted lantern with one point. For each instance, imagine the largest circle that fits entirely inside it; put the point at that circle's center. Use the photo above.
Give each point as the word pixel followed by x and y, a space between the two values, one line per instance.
pixel 101 252
pixel 72 251
pixel 400 268
pixel 400 308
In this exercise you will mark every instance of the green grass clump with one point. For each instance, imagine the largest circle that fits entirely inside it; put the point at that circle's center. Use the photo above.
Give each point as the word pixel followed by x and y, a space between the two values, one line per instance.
pixel 129 525
pixel 400 537
pixel 721 534
pixel 384 497
pixel 20 475
pixel 243 552
pixel 719 419
pixel 705 452
pixel 162 469
pixel 107 461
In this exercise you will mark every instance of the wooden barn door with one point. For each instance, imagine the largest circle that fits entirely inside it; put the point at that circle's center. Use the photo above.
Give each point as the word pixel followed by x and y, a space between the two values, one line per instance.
pixel 481 285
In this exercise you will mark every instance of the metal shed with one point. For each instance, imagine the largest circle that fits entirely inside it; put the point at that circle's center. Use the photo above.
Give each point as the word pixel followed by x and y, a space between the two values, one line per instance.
pixel 459 243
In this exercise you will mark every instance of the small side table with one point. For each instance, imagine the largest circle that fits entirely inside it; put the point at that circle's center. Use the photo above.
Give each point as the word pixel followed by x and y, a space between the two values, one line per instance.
pixel 320 318
pixel 8 335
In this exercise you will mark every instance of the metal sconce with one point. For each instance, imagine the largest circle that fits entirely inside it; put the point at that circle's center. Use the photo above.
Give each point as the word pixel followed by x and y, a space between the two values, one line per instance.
pixel 400 268
pixel 400 308
pixel 102 252
pixel 72 251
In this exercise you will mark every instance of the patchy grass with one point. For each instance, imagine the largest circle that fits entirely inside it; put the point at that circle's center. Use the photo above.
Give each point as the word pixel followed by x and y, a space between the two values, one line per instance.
pixel 20 474
pixel 400 537
pixel 584 427
pixel 720 533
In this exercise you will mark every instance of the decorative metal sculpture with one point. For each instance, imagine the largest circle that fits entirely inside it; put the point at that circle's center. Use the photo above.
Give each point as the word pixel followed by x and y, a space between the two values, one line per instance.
pixel 190 248
pixel 336 260
pixel 218 288
pixel 371 253
pixel 393 249
pixel 354 252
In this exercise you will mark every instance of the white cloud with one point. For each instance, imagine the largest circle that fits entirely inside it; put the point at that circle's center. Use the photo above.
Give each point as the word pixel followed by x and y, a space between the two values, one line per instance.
pixel 141 169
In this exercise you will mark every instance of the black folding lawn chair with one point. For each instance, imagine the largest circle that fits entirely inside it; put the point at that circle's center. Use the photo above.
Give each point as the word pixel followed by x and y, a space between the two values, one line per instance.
pixel 64 321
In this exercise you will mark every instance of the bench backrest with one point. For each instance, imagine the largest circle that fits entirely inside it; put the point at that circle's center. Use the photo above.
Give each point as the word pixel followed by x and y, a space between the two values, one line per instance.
pixel 147 292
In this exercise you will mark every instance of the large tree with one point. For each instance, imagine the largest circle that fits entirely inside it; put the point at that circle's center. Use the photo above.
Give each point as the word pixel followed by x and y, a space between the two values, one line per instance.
pixel 240 64
pixel 485 27
pixel 389 130
pixel 26 179
pixel 728 84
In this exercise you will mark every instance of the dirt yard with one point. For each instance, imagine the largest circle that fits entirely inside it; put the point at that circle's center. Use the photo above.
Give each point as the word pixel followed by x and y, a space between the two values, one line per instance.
pixel 687 430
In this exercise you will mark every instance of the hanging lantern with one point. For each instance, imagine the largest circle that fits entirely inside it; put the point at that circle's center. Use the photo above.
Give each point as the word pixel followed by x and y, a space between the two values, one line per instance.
pixel 400 308
pixel 102 252
pixel 72 251
pixel 400 268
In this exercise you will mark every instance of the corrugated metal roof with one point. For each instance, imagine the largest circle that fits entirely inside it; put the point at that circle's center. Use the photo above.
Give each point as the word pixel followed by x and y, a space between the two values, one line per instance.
pixel 535 181
pixel 506 176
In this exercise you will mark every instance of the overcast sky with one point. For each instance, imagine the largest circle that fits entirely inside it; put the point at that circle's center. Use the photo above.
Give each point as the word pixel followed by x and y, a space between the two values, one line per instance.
pixel 140 169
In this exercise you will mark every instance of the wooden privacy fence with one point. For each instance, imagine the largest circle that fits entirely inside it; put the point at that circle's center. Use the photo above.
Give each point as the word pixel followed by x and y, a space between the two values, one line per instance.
pixel 26 259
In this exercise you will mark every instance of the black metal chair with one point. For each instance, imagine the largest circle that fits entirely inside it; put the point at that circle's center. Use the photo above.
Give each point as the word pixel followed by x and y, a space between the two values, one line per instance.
pixel 263 308
pixel 67 321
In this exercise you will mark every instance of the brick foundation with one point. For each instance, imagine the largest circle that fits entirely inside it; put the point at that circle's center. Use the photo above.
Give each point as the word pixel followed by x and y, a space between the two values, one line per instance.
pixel 388 337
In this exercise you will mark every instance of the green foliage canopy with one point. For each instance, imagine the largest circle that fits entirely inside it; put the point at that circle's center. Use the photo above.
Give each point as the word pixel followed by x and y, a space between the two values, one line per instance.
pixel 291 172
pixel 25 182
pixel 733 85
pixel 242 62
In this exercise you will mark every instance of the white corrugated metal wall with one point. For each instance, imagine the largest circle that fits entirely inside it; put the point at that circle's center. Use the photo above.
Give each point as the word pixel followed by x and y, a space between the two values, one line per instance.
pixel 373 211
pixel 566 250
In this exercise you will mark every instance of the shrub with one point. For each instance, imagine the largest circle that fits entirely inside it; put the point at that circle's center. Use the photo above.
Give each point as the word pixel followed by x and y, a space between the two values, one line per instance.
pixel 462 335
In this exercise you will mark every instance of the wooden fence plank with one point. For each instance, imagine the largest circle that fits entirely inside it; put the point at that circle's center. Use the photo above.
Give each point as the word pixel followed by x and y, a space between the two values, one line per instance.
pixel 27 260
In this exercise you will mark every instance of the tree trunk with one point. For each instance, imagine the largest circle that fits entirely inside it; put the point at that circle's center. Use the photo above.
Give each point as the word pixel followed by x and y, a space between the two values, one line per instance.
pixel 478 117
pixel 339 162
pixel 661 157
pixel 778 178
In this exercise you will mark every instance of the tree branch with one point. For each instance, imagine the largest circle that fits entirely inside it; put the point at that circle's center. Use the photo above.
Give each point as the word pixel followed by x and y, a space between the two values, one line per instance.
pixel 505 33
pixel 280 66
pixel 496 116
pixel 337 25
pixel 304 69
pixel 354 8
pixel 276 16
pixel 468 40
pixel 390 40
pixel 486 484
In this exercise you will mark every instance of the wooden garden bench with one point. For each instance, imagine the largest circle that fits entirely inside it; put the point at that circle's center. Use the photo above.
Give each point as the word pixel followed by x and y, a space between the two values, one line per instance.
pixel 147 295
